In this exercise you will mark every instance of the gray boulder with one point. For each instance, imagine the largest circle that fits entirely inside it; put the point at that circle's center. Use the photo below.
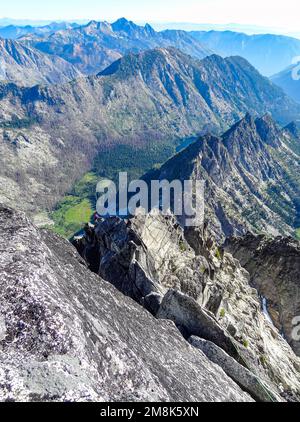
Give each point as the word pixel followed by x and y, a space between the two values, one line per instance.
pixel 242 376
pixel 193 320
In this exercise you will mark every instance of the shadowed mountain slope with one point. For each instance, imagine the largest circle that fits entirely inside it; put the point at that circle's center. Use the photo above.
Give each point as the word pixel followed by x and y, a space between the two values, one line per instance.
pixel 251 177
pixel 27 66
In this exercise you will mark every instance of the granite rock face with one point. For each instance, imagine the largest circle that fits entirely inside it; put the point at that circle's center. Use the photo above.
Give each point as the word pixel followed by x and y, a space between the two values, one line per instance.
pixel 205 291
pixel 274 267
pixel 239 373
pixel 67 335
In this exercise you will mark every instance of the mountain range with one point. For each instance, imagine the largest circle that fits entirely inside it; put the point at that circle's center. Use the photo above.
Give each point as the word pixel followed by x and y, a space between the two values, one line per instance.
pixel 288 80
pixel 148 102
pixel 144 308
pixel 16 31
pixel 269 53
pixel 96 45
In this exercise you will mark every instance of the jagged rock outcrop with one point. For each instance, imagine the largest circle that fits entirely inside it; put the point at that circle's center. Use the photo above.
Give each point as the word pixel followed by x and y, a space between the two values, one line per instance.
pixel 251 177
pixel 194 320
pixel 234 370
pixel 274 267
pixel 67 335
pixel 206 293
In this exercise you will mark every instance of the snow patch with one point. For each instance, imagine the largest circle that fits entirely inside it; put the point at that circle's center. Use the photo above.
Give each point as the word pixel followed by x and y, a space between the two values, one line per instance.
pixel 265 310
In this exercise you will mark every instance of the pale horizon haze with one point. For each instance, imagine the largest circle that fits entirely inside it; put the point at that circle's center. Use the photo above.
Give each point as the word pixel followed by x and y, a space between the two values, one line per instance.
pixel 267 13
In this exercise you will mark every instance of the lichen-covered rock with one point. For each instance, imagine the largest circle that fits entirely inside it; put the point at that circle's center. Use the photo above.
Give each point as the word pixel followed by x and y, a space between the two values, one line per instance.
pixel 241 375
pixel 193 320
pixel 67 335
pixel 192 263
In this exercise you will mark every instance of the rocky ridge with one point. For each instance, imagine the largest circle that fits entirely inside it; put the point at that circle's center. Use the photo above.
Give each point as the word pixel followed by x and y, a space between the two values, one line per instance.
pixel 251 177
pixel 67 335
pixel 205 292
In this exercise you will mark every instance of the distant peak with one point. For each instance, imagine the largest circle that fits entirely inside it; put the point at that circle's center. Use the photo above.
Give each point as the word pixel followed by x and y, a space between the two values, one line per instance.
pixel 267 129
pixel 125 25
pixel 293 129
pixel 215 56
pixel 101 26
pixel 265 126
pixel 122 23
pixel 267 118
pixel 149 28
pixel 266 121
pixel 247 122
pixel 248 118
pixel 92 23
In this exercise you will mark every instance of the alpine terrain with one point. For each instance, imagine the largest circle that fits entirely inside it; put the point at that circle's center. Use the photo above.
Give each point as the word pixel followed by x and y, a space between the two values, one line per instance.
pixel 269 53
pixel 94 46
pixel 288 80
pixel 144 308
pixel 150 101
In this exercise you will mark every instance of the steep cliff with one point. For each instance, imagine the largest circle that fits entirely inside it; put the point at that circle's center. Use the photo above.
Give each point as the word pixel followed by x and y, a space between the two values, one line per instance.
pixel 274 267
pixel 67 335
pixel 187 278
pixel 251 176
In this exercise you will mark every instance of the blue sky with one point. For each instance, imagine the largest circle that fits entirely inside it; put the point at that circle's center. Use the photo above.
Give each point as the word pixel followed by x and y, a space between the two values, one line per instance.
pixel 269 13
